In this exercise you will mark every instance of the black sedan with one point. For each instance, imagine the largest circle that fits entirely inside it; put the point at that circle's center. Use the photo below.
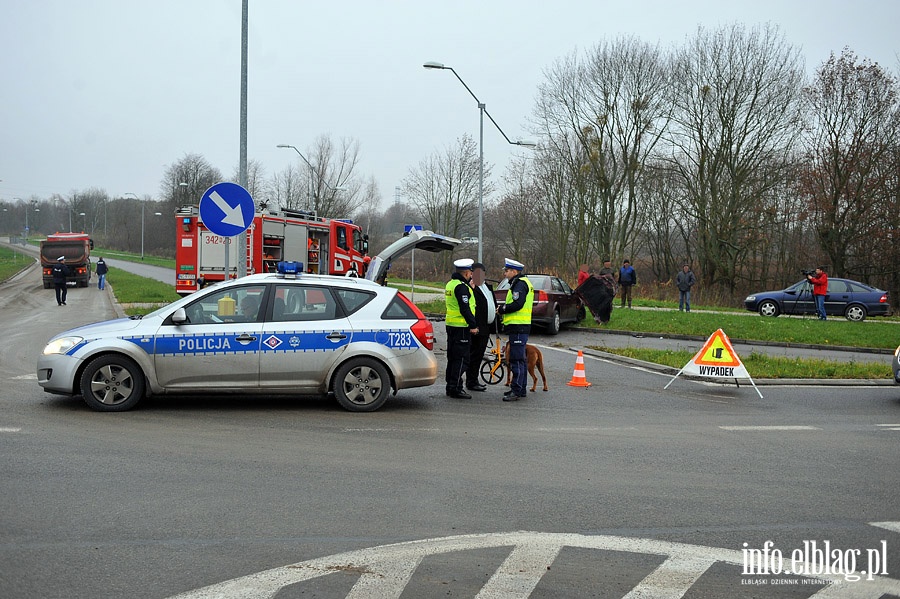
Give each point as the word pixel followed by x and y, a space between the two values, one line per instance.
pixel 555 303
pixel 851 299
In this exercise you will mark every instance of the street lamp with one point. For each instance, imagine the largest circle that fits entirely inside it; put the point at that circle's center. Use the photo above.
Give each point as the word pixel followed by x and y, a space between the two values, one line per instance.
pixel 32 204
pixel 311 172
pixel 482 110
pixel 84 214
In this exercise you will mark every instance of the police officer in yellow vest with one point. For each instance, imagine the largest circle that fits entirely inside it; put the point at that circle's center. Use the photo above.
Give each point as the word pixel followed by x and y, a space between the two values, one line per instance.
pixel 517 320
pixel 460 326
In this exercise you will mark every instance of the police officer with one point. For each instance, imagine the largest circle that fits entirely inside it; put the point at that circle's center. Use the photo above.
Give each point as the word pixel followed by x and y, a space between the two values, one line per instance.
pixel 460 326
pixel 517 319
pixel 60 271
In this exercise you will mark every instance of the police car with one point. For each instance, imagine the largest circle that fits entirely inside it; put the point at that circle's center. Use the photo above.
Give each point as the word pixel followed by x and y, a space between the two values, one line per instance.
pixel 280 333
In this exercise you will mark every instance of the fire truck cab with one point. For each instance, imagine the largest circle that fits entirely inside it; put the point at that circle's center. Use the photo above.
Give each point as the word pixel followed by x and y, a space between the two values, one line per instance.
pixel 322 245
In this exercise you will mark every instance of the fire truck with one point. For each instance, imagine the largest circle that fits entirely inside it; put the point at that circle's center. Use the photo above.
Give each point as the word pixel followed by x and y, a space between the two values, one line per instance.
pixel 322 245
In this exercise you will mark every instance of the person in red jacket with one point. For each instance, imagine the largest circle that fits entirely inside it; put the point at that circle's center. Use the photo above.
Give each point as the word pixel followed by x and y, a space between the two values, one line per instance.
pixel 820 287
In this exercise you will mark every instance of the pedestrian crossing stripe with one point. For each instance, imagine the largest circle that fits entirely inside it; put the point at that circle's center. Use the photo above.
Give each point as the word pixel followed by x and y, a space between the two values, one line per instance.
pixel 717 352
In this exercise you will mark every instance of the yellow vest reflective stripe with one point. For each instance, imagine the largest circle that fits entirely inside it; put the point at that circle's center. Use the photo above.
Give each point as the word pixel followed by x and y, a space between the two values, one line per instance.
pixel 454 316
pixel 522 316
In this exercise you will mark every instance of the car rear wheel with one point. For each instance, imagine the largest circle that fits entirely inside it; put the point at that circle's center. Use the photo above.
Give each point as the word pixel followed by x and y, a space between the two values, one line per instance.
pixel 855 312
pixel 362 385
pixel 112 383
pixel 769 308
pixel 553 325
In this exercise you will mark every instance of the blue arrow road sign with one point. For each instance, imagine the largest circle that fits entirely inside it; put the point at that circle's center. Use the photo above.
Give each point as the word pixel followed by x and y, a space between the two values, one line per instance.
pixel 226 209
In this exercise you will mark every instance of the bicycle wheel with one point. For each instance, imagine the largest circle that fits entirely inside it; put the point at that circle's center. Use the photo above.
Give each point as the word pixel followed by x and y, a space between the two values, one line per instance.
pixel 492 378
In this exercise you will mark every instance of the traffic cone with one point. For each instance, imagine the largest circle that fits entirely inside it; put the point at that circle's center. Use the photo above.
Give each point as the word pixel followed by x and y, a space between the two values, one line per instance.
pixel 578 379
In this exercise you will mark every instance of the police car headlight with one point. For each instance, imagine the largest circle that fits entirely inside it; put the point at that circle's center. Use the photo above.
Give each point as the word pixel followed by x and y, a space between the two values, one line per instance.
pixel 61 345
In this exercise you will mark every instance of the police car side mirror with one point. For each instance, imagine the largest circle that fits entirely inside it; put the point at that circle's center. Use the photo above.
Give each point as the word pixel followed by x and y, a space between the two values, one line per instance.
pixel 179 317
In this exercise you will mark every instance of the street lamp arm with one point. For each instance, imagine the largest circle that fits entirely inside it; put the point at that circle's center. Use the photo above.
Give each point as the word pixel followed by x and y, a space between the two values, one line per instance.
pixel 438 65
pixel 312 169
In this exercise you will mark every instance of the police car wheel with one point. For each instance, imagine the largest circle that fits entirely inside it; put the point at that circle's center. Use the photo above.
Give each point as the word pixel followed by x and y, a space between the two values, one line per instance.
pixel 362 385
pixel 112 383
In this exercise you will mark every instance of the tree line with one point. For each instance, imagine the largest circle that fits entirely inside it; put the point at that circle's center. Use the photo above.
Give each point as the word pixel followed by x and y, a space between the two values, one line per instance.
pixel 719 152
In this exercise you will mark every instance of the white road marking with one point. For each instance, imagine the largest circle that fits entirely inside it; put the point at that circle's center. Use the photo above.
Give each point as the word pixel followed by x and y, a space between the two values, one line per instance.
pixel 893 526
pixel 889 427
pixel 25 377
pixel 385 571
pixel 7 429
pixel 771 428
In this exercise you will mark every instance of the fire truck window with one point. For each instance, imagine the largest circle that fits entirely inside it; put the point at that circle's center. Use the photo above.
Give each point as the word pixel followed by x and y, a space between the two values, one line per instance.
pixel 342 238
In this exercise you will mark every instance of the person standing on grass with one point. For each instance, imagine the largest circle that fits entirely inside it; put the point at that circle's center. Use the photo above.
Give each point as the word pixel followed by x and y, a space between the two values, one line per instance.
pixel 627 280
pixel 684 281
pixel 820 288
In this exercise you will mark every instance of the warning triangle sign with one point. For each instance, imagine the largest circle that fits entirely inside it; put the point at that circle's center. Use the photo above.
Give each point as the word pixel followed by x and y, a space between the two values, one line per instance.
pixel 717 352
pixel 716 359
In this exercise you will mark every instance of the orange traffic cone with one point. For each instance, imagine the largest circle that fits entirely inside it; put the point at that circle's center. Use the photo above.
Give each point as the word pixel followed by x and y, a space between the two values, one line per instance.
pixel 578 379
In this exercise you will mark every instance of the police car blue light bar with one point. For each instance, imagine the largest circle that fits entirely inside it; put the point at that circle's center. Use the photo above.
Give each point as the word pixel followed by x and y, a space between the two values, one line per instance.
pixel 290 268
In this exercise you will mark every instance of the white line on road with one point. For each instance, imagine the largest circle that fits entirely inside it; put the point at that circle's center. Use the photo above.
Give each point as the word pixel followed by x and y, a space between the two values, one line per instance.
pixel 770 428
pixel 8 429
pixel 25 377
pixel 894 526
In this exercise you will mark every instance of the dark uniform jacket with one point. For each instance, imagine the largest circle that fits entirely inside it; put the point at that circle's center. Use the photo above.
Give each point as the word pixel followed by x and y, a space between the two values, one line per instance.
pixel 60 271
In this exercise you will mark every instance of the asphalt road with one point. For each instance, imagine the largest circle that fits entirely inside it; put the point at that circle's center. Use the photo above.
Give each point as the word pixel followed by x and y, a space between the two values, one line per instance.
pixel 620 489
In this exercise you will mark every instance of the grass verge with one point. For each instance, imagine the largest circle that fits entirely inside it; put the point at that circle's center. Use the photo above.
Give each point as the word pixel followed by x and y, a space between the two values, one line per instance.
pixel 133 289
pixel 12 262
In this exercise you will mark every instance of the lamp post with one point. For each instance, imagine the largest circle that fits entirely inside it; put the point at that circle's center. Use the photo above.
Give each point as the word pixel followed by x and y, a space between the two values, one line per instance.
pixel 311 171
pixel 128 193
pixel 84 214
pixel 482 110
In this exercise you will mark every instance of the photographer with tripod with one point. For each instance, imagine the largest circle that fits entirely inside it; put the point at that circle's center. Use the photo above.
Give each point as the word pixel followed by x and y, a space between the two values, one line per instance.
pixel 819 280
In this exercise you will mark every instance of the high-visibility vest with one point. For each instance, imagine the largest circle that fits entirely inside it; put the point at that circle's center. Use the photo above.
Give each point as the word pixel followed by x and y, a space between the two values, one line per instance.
pixel 522 316
pixel 454 316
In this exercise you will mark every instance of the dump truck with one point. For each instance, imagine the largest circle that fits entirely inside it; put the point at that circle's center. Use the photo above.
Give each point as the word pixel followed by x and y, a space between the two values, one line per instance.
pixel 75 248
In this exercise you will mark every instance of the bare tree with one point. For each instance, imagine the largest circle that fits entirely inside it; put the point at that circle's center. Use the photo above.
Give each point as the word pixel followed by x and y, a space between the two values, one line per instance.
pixel 851 170
pixel 603 115
pixel 257 184
pixel 197 175
pixel 327 178
pixel 289 189
pixel 736 114
pixel 444 188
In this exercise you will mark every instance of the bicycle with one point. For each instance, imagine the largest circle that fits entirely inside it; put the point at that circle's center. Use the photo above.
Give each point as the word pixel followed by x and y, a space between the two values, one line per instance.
pixel 493 367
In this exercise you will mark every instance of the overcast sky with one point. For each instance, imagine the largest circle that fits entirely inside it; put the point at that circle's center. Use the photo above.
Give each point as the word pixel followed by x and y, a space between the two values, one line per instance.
pixel 108 93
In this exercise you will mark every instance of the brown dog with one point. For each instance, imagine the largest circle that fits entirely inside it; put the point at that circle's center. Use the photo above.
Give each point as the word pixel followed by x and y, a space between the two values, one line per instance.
pixel 534 358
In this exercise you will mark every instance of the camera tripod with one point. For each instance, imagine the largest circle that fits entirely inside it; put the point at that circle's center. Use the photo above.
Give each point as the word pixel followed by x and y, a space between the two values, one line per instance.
pixel 804 292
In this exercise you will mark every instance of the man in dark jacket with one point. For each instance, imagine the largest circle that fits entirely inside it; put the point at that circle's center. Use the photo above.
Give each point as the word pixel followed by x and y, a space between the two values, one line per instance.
pixel 485 315
pixel 684 281
pixel 60 271
pixel 101 274
pixel 627 280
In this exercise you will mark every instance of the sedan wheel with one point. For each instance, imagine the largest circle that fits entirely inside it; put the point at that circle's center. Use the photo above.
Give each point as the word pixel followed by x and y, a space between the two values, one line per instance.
pixel 553 325
pixel 768 308
pixel 362 385
pixel 112 383
pixel 855 312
